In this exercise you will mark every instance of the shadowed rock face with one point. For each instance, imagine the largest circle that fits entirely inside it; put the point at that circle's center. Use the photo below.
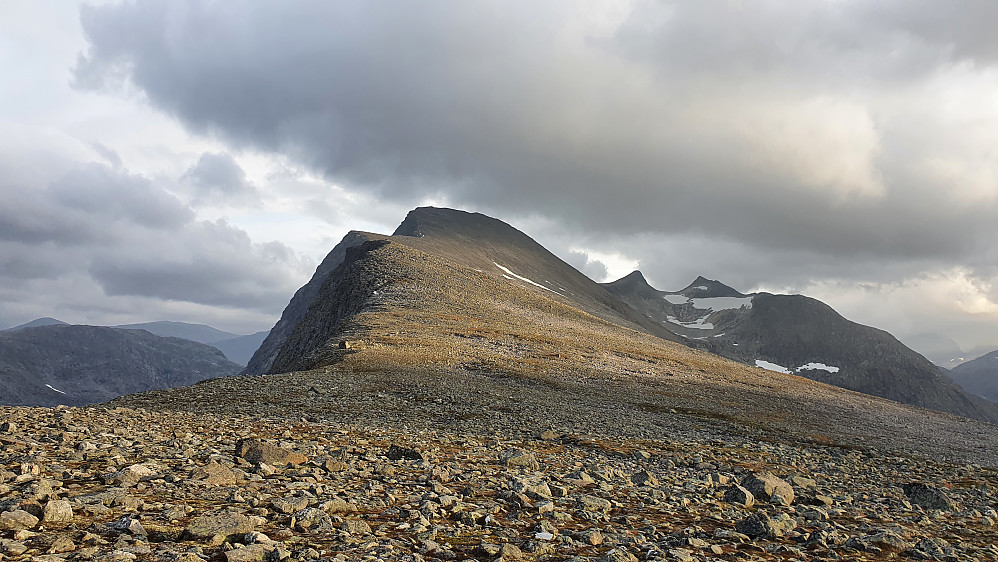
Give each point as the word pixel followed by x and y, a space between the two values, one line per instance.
pixel 794 331
pixel 264 356
pixel 76 365
pixel 979 376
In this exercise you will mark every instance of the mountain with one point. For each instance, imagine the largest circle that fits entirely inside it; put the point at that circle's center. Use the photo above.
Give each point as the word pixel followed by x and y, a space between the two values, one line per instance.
pixel 240 348
pixel 979 376
pixel 800 335
pixel 46 321
pixel 182 330
pixel 355 280
pixel 483 244
pixel 459 324
pixel 76 365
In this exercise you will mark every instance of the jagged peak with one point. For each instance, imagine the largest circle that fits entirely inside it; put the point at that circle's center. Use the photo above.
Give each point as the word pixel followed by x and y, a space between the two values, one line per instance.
pixel 632 279
pixel 633 283
pixel 704 288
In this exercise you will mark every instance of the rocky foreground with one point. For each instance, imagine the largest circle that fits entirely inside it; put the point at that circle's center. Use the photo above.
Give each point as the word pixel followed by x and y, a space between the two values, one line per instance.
pixel 132 484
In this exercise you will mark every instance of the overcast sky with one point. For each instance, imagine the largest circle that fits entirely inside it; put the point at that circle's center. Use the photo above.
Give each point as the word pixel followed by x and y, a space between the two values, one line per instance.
pixel 194 160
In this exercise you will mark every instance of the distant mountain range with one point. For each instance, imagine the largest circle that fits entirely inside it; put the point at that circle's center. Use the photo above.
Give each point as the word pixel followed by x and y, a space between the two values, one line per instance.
pixel 943 351
pixel 237 348
pixel 194 332
pixel 76 365
pixel 46 321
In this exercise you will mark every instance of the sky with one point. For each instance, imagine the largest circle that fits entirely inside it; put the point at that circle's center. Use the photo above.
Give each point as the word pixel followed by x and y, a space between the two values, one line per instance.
pixel 194 160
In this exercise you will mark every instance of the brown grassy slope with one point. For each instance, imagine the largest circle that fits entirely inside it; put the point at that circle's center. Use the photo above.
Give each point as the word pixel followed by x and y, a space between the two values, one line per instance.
pixel 480 242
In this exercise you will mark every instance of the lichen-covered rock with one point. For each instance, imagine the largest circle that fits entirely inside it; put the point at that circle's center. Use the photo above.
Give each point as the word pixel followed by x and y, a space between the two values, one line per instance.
pixel 222 523
pixel 519 459
pixel 739 496
pixel 765 485
pixel 57 513
pixel 256 451
pixel 17 520
pixel 928 496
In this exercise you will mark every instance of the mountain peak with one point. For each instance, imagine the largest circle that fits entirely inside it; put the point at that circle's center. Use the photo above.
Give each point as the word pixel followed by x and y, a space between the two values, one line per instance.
pixel 441 221
pixel 633 283
pixel 702 287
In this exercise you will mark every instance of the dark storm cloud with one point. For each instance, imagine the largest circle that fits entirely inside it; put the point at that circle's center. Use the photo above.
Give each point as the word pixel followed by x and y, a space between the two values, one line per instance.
pixel 104 226
pixel 772 124
pixel 206 262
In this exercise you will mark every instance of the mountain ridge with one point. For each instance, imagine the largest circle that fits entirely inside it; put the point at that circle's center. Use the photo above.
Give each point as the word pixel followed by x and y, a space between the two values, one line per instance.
pixel 43 321
pixel 472 240
pixel 799 334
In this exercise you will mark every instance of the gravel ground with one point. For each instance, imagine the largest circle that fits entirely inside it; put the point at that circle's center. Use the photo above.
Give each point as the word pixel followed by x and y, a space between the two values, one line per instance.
pixel 133 484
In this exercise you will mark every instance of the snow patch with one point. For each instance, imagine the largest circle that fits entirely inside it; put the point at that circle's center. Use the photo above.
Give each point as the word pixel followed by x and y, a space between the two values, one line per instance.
pixel 521 278
pixel 711 303
pixel 698 324
pixel 722 303
pixel 701 287
pixel 817 367
pixel 771 366
pixel 808 367
pixel 55 389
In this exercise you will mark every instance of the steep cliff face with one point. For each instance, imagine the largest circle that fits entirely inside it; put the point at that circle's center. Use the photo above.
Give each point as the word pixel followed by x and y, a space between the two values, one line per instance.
pixel 263 359
pixel 76 365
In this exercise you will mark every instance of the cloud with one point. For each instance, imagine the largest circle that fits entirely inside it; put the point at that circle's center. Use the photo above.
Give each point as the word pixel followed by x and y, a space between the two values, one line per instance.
pixel 770 143
pixel 768 123
pixel 218 177
pixel 98 234
pixel 593 268
pixel 205 262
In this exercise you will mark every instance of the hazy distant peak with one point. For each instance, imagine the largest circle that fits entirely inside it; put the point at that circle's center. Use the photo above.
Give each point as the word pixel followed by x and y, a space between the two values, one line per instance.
pixel 183 330
pixel 702 287
pixel 45 321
